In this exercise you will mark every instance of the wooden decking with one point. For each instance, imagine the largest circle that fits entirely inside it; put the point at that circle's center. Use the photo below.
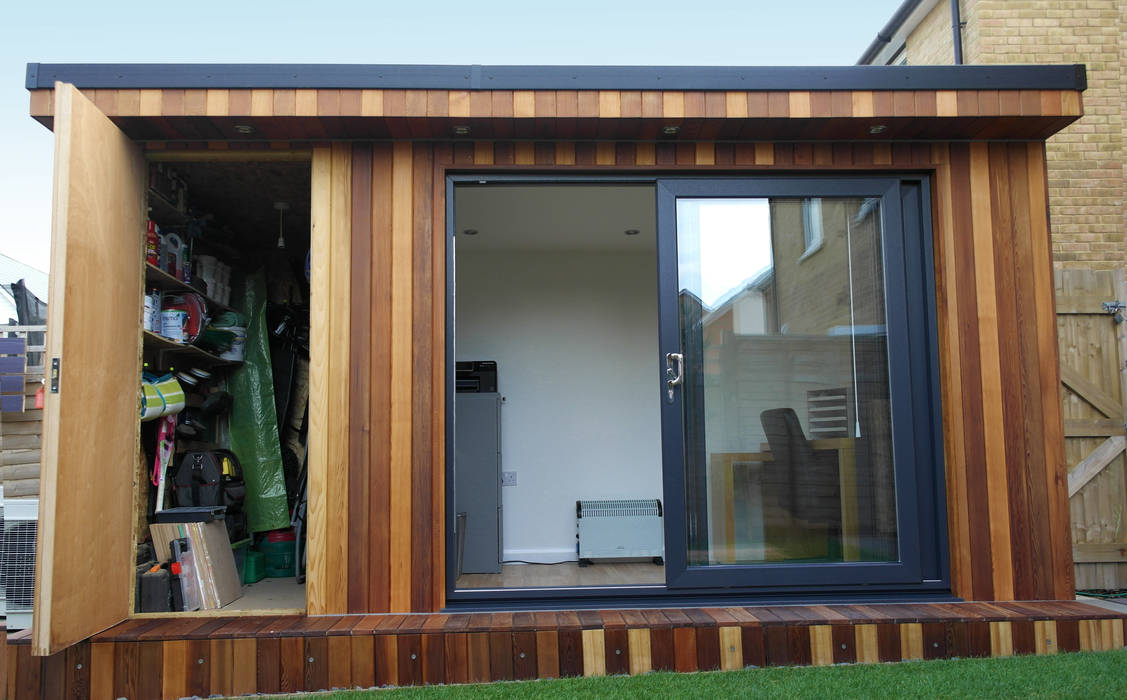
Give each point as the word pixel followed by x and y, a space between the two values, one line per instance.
pixel 175 657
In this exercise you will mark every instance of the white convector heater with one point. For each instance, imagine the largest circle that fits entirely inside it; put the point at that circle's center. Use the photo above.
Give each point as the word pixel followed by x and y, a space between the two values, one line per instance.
pixel 620 528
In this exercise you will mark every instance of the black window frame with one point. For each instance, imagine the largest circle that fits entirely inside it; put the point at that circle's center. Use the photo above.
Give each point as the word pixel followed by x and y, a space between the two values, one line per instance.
pixel 914 382
pixel 913 254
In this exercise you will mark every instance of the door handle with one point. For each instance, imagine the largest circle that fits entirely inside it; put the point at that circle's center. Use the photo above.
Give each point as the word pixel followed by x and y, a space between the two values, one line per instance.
pixel 673 377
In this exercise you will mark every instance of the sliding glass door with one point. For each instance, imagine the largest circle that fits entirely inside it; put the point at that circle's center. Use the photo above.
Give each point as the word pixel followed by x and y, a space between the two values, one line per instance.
pixel 797 413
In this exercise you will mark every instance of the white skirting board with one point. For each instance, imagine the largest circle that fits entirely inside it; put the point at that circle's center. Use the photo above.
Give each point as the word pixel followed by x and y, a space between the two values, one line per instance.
pixel 540 556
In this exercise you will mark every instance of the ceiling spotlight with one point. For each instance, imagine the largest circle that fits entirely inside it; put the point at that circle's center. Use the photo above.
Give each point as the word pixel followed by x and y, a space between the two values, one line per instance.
pixel 461 130
pixel 470 232
pixel 878 129
pixel 631 232
pixel 670 130
pixel 245 129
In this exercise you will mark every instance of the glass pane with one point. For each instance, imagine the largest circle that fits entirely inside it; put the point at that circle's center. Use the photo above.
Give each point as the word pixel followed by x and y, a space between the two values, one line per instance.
pixel 786 402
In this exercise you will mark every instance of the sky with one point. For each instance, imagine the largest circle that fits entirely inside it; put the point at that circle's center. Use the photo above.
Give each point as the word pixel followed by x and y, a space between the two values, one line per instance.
pixel 575 32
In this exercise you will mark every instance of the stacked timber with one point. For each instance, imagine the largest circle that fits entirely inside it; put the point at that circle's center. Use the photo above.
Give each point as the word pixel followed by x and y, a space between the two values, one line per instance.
pixel 19 443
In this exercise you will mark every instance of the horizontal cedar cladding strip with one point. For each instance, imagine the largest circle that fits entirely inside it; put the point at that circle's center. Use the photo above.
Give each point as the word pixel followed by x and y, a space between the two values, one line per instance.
pixel 552 104
pixel 340 652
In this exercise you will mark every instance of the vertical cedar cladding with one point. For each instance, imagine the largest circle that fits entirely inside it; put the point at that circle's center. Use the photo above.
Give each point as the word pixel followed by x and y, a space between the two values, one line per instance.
pixel 380 323
pixel 379 263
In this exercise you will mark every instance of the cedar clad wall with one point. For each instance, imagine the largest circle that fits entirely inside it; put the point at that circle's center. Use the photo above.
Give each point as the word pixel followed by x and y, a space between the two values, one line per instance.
pixel 379 271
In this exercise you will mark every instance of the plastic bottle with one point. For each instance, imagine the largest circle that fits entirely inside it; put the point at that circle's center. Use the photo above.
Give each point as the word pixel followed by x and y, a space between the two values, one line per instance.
pixel 152 244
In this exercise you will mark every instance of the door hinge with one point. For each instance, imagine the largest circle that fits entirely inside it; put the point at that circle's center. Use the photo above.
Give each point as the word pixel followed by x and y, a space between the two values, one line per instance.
pixel 55 362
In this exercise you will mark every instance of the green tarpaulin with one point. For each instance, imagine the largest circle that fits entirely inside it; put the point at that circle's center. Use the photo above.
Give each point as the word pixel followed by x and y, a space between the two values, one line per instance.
pixel 254 421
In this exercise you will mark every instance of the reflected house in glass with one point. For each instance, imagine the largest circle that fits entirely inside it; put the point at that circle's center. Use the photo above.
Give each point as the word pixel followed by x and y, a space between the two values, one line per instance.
pixel 849 379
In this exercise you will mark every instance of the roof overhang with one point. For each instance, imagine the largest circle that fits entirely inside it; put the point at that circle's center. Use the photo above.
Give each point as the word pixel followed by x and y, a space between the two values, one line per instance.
pixel 222 103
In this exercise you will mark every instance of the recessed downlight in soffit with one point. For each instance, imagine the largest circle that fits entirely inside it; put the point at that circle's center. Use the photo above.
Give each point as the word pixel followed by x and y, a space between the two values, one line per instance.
pixel 555 217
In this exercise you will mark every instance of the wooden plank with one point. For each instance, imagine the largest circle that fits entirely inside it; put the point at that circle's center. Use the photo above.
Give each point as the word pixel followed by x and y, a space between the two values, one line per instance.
pixel 77 670
pixel 571 653
pixel 1072 428
pixel 594 652
pixel 989 351
pixel 1001 639
pixel 243 667
pixel 96 233
pixel 1049 370
pixel 950 360
pixel 1094 463
pixel 338 656
pixel 1100 552
pixel 322 581
pixel 427 522
pixel 1095 395
pixel 866 644
pixel 911 641
pixel 437 380
pixel 731 648
pixel 821 645
pixel 1014 324
pixel 685 649
pixel 360 389
pixel 640 653
pixel 1085 304
pixel 1028 317
pixel 976 553
pixel 340 368
pixel 547 654
pixel 708 648
pixel 400 520
pixel 379 361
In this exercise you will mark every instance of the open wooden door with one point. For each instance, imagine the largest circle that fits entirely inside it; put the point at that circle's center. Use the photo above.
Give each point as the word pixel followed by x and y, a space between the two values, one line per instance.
pixel 83 568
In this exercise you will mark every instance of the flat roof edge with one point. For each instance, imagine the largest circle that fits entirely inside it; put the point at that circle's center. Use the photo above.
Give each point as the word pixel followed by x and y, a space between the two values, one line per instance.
pixel 240 76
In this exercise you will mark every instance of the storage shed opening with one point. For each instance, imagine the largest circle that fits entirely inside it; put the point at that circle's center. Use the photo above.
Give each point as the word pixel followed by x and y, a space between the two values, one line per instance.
pixel 226 383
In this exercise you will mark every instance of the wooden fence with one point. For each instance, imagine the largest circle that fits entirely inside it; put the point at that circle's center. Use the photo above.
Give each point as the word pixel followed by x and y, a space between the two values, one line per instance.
pixel 21 376
pixel 1092 333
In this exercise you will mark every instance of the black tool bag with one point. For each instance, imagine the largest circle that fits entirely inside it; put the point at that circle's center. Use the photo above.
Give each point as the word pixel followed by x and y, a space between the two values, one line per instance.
pixel 199 481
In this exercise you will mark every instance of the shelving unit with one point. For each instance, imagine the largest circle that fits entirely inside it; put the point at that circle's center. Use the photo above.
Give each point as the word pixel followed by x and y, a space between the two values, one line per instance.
pixel 156 277
pixel 164 211
pixel 166 348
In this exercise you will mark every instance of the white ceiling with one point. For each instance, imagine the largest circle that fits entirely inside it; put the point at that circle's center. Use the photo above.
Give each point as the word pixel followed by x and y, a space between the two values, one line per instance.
pixel 554 217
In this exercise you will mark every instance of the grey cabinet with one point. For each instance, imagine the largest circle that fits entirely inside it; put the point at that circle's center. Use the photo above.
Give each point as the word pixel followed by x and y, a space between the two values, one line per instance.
pixel 477 479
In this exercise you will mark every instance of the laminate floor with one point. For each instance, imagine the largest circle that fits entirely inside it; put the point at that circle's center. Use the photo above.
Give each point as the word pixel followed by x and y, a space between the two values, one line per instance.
pixel 568 574
pixel 270 594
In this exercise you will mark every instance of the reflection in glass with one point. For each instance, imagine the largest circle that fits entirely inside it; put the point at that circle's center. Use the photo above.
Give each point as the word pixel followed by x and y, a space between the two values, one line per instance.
pixel 788 427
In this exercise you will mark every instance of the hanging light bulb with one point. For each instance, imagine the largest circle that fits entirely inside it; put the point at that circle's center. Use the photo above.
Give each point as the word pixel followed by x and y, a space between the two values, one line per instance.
pixel 282 207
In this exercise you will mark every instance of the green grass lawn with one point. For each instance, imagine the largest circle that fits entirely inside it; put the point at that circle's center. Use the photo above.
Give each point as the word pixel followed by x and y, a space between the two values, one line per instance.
pixel 1082 675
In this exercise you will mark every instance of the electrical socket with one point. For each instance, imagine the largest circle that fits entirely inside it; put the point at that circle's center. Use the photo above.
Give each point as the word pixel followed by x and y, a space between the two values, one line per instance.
pixel 508 478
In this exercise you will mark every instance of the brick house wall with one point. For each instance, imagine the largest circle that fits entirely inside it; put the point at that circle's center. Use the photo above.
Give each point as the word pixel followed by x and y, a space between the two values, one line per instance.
pixel 1086 178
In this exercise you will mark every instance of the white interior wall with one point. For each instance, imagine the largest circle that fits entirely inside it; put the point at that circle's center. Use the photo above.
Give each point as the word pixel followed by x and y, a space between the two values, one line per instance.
pixel 574 334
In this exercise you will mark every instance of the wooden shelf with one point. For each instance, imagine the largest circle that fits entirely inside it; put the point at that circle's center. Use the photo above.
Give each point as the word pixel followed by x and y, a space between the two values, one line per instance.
pixel 165 212
pixel 190 353
pixel 156 277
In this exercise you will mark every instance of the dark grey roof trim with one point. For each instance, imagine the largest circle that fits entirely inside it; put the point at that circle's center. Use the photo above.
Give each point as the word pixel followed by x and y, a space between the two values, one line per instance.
pixel 283 76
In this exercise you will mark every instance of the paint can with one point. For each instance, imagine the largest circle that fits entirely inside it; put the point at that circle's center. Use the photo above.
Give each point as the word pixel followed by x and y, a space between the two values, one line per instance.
pixel 174 325
pixel 152 320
